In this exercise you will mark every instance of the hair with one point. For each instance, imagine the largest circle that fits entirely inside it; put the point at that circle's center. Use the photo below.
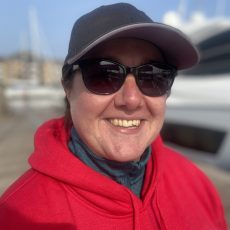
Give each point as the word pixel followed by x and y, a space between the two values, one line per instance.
pixel 67 81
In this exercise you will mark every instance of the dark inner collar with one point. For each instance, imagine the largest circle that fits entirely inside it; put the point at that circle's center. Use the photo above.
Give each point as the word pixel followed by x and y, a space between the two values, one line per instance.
pixel 130 174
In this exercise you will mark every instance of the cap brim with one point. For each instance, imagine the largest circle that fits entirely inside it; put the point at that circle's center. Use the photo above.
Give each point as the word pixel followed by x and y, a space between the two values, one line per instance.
pixel 177 49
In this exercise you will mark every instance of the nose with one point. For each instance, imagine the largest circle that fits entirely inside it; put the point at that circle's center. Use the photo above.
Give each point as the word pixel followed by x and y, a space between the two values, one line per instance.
pixel 129 96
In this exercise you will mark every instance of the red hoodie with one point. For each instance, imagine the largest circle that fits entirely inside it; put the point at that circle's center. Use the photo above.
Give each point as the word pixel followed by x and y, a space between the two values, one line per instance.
pixel 60 192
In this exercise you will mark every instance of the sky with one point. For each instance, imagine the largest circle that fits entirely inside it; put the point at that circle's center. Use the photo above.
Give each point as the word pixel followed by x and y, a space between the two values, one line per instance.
pixel 53 20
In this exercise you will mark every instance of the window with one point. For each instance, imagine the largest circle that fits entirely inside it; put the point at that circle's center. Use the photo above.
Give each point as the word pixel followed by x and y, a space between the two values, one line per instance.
pixel 215 56
pixel 197 138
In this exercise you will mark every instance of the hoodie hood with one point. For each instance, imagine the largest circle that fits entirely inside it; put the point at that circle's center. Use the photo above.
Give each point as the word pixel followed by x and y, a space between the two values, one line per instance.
pixel 53 158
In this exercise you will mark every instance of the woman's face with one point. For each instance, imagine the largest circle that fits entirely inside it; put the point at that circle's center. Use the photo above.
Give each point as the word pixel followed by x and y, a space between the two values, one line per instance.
pixel 139 117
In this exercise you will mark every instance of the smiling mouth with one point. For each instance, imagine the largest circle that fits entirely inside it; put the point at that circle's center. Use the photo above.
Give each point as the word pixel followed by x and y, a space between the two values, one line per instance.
pixel 125 123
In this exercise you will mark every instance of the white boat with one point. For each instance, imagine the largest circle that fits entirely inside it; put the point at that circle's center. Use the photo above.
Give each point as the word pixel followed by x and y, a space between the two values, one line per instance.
pixel 21 96
pixel 198 114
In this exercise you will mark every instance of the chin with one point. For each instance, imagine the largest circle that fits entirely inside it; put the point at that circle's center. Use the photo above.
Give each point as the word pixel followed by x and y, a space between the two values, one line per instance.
pixel 125 158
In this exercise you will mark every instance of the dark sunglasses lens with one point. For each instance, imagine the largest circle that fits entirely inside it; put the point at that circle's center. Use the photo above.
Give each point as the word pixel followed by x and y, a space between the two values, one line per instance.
pixel 102 77
pixel 154 81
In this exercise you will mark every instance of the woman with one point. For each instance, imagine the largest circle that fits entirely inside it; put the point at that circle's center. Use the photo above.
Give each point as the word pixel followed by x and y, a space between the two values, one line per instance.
pixel 104 165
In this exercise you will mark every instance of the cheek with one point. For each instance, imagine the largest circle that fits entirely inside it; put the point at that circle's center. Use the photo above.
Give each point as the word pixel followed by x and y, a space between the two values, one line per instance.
pixel 87 116
pixel 86 108
pixel 83 117
pixel 157 106
pixel 78 97
pixel 81 108
pixel 161 111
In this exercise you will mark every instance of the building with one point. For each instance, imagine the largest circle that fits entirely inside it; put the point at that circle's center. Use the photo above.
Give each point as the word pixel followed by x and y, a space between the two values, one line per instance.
pixel 26 68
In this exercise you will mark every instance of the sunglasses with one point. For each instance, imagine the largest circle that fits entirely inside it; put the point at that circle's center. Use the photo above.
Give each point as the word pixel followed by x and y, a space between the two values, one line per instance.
pixel 104 77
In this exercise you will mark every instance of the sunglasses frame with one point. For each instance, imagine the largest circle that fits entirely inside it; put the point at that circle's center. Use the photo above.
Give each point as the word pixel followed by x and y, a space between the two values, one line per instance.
pixel 81 64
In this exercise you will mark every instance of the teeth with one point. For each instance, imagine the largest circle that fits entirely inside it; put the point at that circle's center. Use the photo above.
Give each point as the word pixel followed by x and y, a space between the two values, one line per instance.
pixel 125 123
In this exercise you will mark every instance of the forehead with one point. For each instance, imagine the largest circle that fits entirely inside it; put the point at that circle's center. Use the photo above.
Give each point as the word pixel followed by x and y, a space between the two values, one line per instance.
pixel 126 48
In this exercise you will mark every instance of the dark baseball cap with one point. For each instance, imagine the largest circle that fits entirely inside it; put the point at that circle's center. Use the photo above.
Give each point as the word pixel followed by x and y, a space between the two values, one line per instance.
pixel 123 20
